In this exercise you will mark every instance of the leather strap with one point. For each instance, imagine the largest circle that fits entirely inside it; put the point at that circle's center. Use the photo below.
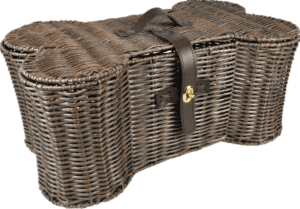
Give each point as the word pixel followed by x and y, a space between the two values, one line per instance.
pixel 189 75
pixel 148 17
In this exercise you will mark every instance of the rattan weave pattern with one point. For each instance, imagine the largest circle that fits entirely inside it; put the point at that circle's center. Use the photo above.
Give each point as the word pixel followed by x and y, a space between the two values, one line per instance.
pixel 14 62
pixel 154 137
pixel 86 95
pixel 85 154
pixel 258 94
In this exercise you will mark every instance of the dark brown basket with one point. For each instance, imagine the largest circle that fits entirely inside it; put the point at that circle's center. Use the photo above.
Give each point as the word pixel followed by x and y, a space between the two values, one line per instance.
pixel 88 96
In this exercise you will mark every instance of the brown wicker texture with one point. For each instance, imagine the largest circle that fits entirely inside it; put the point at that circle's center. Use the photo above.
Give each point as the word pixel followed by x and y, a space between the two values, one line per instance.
pixel 14 61
pixel 86 142
pixel 155 138
pixel 260 82
pixel 87 95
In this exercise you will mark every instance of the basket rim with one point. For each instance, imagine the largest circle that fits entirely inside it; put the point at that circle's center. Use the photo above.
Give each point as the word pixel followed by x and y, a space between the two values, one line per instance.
pixel 116 70
pixel 28 49
pixel 71 83
pixel 110 71
pixel 242 9
pixel 31 54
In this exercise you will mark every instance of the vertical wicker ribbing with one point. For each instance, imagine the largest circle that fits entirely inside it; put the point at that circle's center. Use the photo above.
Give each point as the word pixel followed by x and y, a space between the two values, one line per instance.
pixel 157 133
pixel 86 141
pixel 14 60
pixel 261 76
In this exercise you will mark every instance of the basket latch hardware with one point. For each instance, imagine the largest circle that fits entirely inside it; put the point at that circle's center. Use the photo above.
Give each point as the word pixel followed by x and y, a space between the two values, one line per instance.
pixel 172 95
pixel 188 95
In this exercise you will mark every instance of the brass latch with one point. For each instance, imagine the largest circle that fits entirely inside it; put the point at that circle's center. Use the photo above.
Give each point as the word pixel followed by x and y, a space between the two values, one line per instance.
pixel 188 95
pixel 171 94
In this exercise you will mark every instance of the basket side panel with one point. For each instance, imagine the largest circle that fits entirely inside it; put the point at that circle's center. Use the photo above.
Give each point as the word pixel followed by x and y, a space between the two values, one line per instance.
pixel 13 64
pixel 258 93
pixel 85 155
pixel 157 132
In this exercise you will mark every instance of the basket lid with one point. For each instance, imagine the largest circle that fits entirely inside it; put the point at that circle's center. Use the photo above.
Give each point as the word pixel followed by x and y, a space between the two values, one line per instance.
pixel 71 52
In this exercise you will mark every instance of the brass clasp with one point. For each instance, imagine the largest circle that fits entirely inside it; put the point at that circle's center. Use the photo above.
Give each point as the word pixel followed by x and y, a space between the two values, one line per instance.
pixel 190 93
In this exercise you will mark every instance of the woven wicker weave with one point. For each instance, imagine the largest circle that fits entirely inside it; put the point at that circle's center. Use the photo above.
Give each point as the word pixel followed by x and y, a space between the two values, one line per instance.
pixel 87 95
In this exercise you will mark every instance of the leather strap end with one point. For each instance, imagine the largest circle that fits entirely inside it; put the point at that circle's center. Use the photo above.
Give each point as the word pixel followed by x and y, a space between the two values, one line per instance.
pixel 146 18
pixel 189 75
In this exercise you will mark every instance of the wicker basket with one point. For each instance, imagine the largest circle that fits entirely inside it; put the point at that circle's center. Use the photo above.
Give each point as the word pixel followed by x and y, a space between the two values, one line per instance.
pixel 88 97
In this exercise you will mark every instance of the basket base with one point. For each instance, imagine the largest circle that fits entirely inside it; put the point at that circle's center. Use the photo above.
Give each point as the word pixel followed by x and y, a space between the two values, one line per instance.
pixel 96 201
pixel 277 134
pixel 85 204
pixel 29 145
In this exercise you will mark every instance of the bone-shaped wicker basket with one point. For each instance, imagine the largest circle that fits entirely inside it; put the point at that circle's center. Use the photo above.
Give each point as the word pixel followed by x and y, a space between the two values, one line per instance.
pixel 103 100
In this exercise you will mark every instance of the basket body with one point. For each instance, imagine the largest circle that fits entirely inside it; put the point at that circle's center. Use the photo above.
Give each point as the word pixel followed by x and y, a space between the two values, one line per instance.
pixel 108 130
pixel 157 133
pixel 93 122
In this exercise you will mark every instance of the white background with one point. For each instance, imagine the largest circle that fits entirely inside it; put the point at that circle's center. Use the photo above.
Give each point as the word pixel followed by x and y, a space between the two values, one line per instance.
pixel 220 176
